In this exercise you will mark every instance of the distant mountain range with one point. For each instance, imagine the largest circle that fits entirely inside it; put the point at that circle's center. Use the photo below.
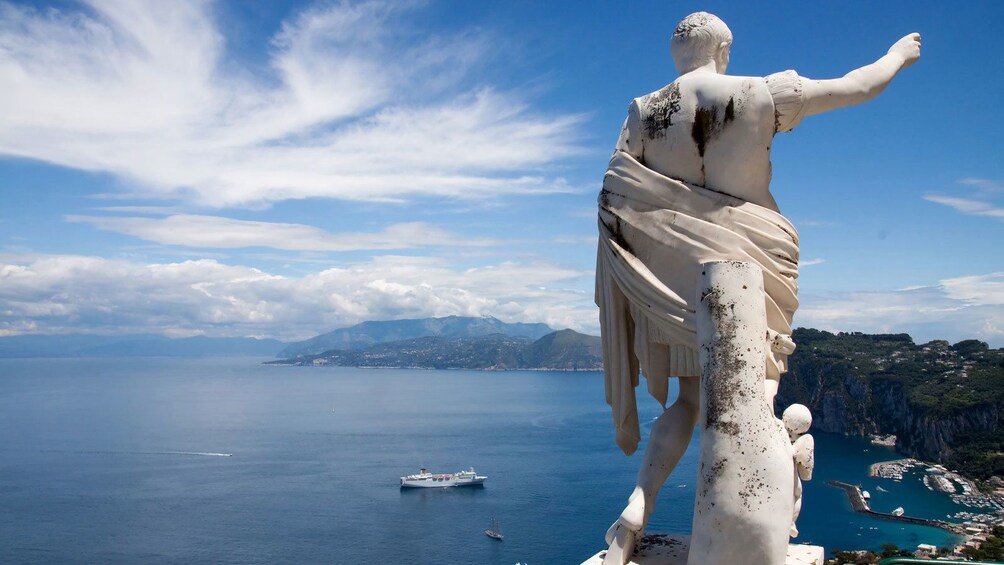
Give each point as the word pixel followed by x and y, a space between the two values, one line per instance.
pixel 135 346
pixel 369 334
pixel 564 350
pixel 443 334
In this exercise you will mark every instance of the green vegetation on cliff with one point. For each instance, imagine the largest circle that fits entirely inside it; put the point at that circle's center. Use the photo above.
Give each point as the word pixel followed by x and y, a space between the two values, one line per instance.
pixel 943 402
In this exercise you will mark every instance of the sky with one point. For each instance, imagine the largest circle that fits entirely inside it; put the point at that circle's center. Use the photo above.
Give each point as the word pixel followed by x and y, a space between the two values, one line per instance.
pixel 282 169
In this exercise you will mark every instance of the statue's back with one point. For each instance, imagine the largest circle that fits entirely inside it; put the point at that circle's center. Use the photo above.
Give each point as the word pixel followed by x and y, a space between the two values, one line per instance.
pixel 711 130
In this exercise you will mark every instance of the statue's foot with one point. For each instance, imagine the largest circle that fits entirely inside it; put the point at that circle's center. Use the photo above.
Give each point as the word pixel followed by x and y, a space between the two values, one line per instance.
pixel 621 542
pixel 633 517
pixel 627 530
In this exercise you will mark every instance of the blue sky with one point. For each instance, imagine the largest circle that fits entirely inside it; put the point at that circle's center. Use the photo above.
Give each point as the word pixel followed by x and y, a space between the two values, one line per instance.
pixel 282 169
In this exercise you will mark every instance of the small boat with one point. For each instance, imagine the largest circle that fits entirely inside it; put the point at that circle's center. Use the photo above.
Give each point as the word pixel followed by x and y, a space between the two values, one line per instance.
pixel 424 479
pixel 898 511
pixel 865 495
pixel 494 532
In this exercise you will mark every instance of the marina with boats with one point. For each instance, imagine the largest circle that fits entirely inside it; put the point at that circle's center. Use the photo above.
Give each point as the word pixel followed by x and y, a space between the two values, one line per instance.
pixel 981 509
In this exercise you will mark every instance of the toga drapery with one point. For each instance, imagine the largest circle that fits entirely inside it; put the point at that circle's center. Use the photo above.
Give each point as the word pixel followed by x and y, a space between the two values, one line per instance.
pixel 655 232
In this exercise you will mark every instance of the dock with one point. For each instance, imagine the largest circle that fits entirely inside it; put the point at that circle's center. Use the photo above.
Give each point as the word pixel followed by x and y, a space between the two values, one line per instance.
pixel 859 504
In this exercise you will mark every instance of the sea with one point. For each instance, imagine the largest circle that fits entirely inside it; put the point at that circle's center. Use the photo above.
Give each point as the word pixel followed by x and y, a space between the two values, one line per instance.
pixel 227 460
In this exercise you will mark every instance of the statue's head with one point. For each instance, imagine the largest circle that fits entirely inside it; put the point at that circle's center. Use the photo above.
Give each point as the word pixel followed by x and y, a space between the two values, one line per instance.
pixel 797 420
pixel 701 37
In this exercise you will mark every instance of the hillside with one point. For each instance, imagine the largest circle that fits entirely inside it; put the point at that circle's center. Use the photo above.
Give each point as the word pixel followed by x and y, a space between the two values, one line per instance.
pixel 372 333
pixel 567 350
pixel 943 402
pixel 564 350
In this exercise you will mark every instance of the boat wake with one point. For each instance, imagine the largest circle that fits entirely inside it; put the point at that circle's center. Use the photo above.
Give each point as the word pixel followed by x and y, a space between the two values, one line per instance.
pixel 202 453
pixel 102 452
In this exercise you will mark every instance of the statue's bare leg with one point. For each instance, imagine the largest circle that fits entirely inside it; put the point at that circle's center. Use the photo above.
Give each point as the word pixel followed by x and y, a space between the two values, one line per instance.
pixel 667 443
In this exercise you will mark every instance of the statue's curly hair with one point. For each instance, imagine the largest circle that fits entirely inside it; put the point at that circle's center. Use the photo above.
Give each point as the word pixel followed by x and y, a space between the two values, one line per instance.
pixel 696 39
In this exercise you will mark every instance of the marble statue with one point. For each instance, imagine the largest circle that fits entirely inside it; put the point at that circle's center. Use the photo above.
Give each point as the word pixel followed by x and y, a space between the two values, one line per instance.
pixel 688 185
pixel 797 420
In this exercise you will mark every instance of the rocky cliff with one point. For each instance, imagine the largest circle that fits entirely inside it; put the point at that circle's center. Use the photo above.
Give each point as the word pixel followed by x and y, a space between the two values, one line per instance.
pixel 943 402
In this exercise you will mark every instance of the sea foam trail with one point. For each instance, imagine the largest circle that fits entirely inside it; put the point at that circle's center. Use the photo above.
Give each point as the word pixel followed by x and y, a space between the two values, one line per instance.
pixel 104 452
pixel 203 453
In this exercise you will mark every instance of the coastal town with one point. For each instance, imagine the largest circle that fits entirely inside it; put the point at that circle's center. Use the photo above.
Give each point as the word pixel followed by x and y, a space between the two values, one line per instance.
pixel 983 504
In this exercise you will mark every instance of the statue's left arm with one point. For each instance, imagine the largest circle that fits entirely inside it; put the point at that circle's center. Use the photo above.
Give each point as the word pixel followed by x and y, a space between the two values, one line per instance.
pixel 863 84
pixel 631 140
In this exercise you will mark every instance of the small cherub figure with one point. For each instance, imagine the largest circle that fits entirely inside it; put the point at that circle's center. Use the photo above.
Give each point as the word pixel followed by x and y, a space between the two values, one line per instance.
pixel 797 420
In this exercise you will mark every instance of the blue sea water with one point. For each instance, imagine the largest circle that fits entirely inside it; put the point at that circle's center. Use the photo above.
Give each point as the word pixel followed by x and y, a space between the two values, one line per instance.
pixel 124 461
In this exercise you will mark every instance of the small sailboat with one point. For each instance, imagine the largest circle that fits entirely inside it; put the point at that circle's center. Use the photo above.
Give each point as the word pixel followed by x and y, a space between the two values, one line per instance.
pixel 494 532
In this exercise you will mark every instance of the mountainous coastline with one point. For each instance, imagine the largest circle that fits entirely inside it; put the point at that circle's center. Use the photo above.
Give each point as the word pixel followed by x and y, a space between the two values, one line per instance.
pixel 943 402
pixel 369 334
pixel 564 350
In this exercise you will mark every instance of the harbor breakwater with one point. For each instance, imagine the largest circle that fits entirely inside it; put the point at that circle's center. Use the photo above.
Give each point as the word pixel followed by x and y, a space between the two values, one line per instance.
pixel 859 504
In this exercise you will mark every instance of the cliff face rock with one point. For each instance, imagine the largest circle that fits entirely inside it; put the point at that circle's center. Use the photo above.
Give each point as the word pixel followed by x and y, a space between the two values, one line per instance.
pixel 939 399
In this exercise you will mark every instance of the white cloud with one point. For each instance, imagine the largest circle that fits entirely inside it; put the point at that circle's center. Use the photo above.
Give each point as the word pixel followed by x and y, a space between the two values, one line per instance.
pixel 225 233
pixel 60 294
pixel 809 262
pixel 969 206
pixel 355 104
pixel 954 309
pixel 589 240
pixel 979 203
pixel 984 185
pixel 981 290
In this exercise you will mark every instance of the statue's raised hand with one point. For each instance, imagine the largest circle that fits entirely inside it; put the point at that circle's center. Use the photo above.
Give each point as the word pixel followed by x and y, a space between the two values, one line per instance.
pixel 908 48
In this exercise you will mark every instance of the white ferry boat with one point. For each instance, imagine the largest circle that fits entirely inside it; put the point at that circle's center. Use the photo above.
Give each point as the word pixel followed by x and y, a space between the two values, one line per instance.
pixel 429 480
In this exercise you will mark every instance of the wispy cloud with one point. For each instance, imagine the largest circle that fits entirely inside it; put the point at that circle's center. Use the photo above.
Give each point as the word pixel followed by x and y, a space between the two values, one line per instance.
pixel 575 240
pixel 354 104
pixel 954 309
pixel 985 185
pixel 968 206
pixel 980 290
pixel 225 233
pixel 58 294
pixel 980 202
pixel 809 262
pixel 816 224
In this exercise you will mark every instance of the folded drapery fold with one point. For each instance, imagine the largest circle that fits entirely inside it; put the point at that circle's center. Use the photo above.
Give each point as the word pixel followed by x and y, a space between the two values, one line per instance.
pixel 655 233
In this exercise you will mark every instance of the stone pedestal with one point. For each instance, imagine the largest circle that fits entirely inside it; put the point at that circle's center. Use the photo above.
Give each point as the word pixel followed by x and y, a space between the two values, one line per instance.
pixel 672 549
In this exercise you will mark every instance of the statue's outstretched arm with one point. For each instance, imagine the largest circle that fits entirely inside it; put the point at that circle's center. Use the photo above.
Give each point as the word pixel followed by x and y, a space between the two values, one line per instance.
pixel 861 85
